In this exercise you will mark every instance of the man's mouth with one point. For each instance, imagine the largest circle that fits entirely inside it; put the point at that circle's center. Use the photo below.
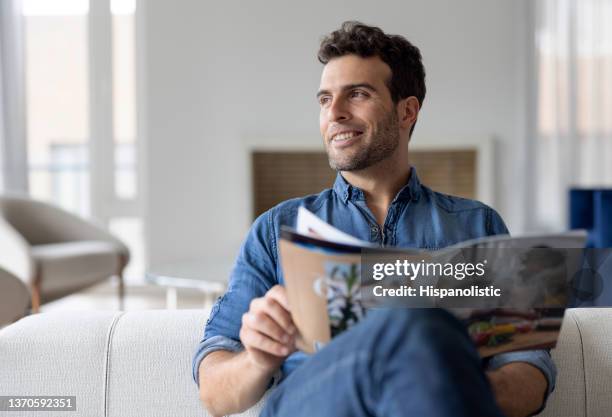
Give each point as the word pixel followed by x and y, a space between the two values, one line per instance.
pixel 345 138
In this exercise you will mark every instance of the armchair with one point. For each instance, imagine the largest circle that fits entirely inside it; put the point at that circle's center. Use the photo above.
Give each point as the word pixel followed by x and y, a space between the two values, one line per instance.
pixel 14 298
pixel 56 253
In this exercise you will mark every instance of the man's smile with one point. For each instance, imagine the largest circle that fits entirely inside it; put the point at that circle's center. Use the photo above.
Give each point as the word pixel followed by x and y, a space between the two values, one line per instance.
pixel 345 138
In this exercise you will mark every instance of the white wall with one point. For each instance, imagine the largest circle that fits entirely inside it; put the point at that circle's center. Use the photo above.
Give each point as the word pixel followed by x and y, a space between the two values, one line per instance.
pixel 218 72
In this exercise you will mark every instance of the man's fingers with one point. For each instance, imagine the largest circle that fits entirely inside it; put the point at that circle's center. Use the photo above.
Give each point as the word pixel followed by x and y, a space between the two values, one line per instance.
pixel 264 324
pixel 251 338
pixel 279 294
pixel 275 310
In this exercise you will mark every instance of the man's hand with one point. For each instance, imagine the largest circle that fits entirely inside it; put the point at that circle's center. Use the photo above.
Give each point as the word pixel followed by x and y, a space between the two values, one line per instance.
pixel 519 388
pixel 267 332
pixel 231 382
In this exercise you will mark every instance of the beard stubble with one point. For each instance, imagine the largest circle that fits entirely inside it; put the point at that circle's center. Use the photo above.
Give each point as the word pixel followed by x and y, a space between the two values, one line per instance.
pixel 383 145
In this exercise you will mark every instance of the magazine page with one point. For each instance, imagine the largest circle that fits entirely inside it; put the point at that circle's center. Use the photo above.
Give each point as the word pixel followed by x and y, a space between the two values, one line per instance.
pixel 517 303
pixel 309 224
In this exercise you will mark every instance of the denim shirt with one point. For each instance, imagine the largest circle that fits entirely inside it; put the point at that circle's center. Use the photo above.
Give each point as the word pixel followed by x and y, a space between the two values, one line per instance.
pixel 417 218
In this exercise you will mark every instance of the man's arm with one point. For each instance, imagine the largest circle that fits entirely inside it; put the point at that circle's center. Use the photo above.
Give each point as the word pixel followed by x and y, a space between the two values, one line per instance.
pixel 231 382
pixel 519 388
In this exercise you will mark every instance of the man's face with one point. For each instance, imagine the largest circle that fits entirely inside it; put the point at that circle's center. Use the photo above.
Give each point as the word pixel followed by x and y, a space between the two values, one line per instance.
pixel 358 120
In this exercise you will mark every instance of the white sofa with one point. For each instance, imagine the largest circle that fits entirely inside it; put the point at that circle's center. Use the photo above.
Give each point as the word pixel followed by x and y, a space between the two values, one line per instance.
pixel 139 363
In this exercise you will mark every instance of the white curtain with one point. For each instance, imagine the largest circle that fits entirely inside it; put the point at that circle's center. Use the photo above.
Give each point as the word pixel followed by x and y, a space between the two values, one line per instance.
pixel 13 162
pixel 573 142
pixel 2 129
pixel 2 107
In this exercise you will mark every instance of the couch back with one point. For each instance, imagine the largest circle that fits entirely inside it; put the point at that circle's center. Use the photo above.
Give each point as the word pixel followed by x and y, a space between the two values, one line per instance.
pixel 139 363
pixel 116 364
pixel 584 361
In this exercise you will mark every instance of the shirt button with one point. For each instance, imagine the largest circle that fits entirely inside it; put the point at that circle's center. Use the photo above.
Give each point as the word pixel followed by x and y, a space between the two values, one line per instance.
pixel 374 229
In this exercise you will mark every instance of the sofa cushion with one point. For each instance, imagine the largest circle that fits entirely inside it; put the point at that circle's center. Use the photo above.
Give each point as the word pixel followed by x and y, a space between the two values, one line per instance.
pixel 58 354
pixel 150 367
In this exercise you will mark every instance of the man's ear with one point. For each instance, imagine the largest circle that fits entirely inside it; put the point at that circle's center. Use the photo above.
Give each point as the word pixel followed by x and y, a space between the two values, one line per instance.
pixel 408 111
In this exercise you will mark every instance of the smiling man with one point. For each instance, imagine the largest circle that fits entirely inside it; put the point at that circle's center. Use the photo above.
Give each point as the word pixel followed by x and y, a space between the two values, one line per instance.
pixel 401 362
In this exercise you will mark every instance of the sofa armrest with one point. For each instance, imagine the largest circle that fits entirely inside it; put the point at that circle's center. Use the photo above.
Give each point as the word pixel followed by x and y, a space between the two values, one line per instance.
pixel 116 364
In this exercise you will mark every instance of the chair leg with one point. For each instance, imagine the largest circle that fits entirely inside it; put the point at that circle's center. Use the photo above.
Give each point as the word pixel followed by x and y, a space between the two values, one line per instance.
pixel 122 265
pixel 121 291
pixel 35 289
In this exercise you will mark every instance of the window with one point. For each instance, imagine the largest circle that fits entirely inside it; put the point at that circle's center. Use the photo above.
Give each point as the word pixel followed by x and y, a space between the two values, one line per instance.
pixel 573 145
pixel 81 112
pixel 57 95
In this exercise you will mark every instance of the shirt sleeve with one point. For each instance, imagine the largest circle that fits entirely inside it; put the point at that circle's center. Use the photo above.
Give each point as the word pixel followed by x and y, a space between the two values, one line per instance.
pixel 254 273
pixel 541 359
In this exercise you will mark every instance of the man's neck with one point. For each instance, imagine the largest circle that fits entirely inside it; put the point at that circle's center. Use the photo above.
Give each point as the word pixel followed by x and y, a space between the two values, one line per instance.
pixel 380 183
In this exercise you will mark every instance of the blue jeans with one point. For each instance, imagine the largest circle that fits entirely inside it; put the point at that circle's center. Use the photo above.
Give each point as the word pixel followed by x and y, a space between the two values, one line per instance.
pixel 396 362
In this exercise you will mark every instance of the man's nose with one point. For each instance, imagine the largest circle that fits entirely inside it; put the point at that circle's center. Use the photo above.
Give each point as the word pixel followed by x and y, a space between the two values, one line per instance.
pixel 339 110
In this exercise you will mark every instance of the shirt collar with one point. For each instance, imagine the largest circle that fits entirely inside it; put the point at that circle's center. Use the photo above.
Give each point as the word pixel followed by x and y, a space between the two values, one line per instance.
pixel 410 191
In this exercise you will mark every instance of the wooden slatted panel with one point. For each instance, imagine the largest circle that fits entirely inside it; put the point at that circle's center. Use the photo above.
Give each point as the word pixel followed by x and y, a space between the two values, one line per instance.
pixel 449 172
pixel 279 176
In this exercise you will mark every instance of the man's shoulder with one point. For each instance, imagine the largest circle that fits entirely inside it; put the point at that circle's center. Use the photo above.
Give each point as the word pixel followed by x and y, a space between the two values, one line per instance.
pixel 465 212
pixel 452 203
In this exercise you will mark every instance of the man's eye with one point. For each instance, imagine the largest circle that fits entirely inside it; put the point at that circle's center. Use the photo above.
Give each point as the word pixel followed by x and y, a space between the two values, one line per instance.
pixel 324 100
pixel 358 94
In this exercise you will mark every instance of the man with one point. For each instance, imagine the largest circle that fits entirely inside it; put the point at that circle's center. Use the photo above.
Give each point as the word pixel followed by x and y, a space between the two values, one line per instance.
pixel 399 362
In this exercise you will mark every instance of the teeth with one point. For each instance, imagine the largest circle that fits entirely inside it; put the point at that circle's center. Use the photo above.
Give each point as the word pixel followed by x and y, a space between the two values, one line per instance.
pixel 345 135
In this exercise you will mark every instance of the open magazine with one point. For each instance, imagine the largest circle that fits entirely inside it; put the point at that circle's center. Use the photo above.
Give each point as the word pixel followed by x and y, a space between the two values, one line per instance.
pixel 511 292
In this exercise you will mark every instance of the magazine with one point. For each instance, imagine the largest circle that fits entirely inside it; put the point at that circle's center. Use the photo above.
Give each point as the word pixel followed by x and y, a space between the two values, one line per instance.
pixel 510 292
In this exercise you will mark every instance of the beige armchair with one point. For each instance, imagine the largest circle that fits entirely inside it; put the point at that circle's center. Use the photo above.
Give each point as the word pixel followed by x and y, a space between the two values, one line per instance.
pixel 56 253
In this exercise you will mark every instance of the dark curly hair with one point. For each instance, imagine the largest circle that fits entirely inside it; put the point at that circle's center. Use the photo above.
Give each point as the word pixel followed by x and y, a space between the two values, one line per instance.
pixel 404 59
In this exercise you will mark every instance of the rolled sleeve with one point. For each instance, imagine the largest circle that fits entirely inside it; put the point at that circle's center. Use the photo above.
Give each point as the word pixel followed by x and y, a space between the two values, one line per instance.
pixel 541 359
pixel 252 276
pixel 210 345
